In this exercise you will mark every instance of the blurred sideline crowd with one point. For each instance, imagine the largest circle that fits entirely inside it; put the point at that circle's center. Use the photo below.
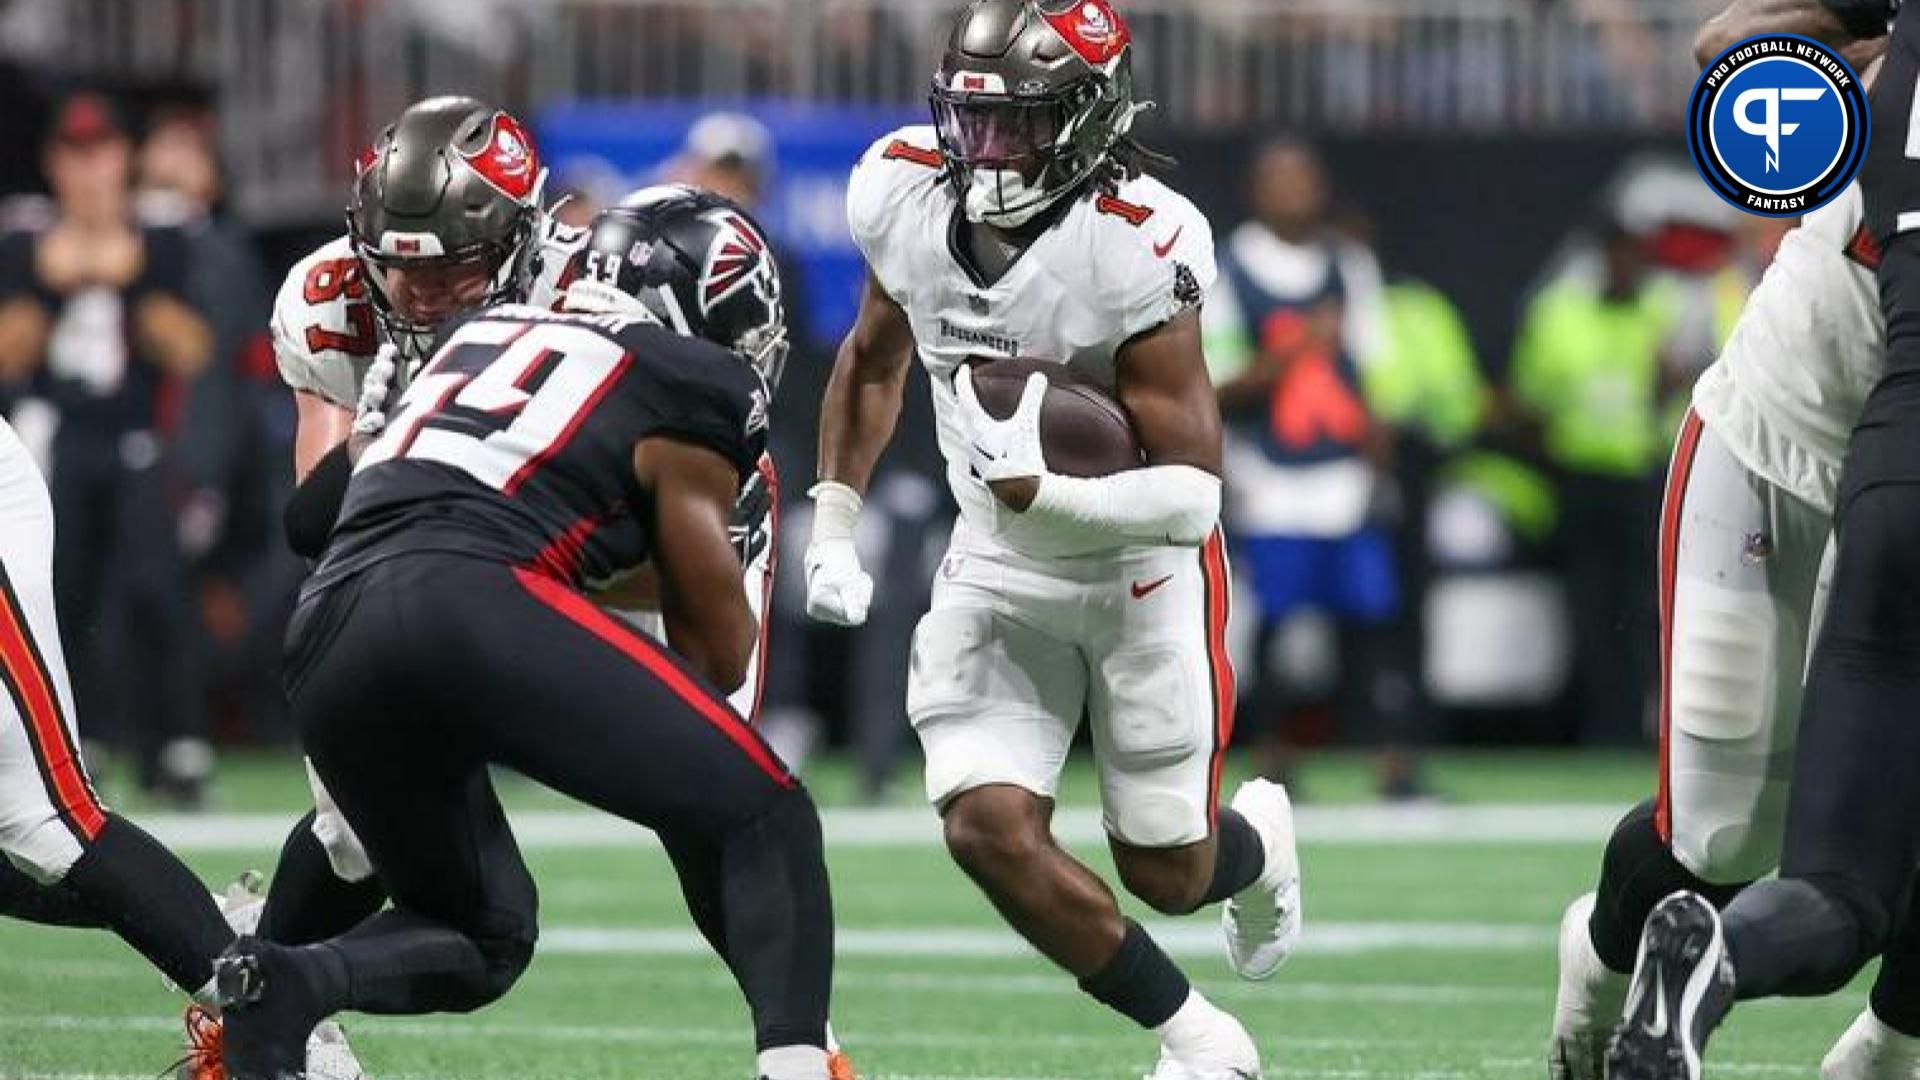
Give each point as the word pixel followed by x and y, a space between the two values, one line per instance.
pixel 1415 524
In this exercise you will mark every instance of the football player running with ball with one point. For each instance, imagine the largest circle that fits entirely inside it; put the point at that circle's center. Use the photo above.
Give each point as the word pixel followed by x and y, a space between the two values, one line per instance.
pixel 1022 223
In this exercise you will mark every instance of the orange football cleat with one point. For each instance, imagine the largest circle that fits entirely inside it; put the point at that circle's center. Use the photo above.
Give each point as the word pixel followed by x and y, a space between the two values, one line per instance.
pixel 202 1061
pixel 839 1067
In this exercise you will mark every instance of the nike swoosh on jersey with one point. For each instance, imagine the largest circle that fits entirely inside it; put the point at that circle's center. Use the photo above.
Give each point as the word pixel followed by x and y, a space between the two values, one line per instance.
pixel 1161 250
pixel 1140 590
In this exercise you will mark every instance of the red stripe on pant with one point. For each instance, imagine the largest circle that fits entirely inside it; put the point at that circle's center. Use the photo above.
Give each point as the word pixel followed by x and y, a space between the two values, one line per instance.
pixel 47 733
pixel 1685 447
pixel 1218 581
pixel 658 663
pixel 766 587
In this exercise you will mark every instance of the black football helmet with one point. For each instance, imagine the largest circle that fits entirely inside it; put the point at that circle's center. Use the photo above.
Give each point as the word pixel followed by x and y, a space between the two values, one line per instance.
pixel 696 262
pixel 1030 101
pixel 452 181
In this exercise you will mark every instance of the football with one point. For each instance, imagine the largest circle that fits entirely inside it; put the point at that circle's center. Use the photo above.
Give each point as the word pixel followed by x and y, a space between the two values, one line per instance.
pixel 1083 430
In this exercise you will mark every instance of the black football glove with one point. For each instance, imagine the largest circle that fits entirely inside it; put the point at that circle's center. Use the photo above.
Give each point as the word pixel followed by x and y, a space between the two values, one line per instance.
pixel 752 527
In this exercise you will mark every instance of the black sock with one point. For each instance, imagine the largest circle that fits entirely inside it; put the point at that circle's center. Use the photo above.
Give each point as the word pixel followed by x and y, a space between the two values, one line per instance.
pixel 1238 858
pixel 306 900
pixel 1638 871
pixel 152 901
pixel 21 897
pixel 1140 982
pixel 777 914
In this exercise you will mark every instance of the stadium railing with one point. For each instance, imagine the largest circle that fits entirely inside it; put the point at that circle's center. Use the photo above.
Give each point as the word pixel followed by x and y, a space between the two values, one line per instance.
pixel 304 82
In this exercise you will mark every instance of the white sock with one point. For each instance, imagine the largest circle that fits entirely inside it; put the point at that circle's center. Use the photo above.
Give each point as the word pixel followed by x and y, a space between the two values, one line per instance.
pixel 793 1063
pixel 833 1044
pixel 1191 1026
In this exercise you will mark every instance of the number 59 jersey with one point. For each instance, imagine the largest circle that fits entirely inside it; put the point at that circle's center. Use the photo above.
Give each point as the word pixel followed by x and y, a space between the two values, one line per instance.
pixel 515 444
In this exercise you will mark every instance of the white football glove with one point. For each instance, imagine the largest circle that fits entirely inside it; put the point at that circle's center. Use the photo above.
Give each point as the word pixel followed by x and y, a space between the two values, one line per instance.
pixel 1003 449
pixel 370 416
pixel 839 590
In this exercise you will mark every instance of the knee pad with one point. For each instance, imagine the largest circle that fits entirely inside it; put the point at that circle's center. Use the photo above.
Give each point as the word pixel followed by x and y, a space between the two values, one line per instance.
pixel 1722 638
pixel 43 848
pixel 1733 711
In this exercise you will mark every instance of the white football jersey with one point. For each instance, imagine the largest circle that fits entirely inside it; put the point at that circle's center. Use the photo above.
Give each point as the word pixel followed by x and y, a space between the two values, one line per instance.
pixel 1807 349
pixel 1113 266
pixel 324 332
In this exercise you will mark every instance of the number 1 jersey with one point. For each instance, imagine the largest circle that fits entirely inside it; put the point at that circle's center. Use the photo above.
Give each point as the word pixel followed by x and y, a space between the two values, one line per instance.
pixel 515 443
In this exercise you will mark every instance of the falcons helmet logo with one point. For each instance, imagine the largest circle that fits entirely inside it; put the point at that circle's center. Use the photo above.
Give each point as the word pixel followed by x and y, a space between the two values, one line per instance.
pixel 737 258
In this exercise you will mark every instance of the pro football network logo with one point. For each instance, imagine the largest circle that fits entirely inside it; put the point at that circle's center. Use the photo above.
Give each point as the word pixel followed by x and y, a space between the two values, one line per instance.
pixel 1778 125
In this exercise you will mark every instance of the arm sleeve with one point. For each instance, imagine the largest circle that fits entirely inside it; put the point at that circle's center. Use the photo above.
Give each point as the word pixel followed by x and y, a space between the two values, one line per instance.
pixel 1159 504
pixel 315 506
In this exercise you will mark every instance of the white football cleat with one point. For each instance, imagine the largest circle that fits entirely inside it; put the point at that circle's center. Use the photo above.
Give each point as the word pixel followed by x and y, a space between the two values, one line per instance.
pixel 1870 1050
pixel 1263 920
pixel 328 1055
pixel 1209 1045
pixel 1588 1003
pixel 243 902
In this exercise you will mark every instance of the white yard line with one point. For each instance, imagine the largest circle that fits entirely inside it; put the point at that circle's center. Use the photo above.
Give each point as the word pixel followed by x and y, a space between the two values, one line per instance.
pixel 1177 938
pixel 1435 826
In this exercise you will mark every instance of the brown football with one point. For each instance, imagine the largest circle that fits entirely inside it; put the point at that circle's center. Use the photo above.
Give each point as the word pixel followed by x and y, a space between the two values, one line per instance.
pixel 1083 430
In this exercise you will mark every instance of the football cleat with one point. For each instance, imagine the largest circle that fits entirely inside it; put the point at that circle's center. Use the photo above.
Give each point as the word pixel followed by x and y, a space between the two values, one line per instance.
pixel 328 1055
pixel 1172 1068
pixel 243 902
pixel 1263 920
pixel 268 1011
pixel 1588 1003
pixel 1870 1050
pixel 840 1067
pixel 1682 987
pixel 202 1060
pixel 1211 1045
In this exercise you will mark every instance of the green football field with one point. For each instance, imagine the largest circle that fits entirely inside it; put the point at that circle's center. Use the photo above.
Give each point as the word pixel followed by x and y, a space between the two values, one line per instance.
pixel 1428 950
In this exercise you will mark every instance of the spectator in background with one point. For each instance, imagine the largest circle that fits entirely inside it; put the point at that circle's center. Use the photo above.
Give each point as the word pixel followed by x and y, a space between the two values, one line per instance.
pixel 1424 384
pixel 233 424
pixel 97 337
pixel 1590 370
pixel 1295 311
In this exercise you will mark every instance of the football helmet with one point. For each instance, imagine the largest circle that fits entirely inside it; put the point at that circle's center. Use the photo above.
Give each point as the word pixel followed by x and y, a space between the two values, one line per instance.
pixel 444 215
pixel 1030 100
pixel 696 262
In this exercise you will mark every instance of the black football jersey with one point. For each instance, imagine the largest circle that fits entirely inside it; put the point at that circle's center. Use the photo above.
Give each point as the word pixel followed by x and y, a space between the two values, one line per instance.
pixel 514 443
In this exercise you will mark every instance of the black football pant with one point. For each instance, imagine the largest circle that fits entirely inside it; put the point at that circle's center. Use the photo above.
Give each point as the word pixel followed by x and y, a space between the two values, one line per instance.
pixel 1853 819
pixel 408 679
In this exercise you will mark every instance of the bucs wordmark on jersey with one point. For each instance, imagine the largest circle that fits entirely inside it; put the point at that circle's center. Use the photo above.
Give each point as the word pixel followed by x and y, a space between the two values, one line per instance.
pixel 1116 264
pixel 515 443
pixel 324 332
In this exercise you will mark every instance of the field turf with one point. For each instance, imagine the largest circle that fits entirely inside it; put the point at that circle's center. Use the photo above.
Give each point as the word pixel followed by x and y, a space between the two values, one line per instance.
pixel 1429 950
